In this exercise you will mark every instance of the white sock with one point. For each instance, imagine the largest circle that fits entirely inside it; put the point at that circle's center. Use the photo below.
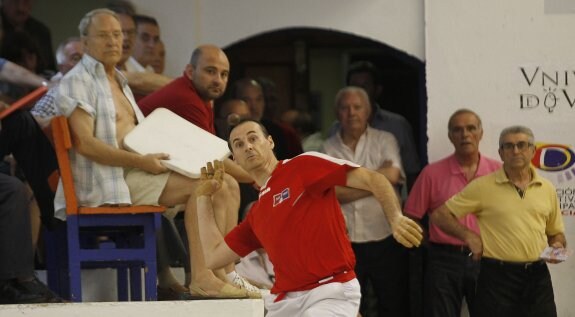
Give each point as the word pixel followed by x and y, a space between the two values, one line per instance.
pixel 231 276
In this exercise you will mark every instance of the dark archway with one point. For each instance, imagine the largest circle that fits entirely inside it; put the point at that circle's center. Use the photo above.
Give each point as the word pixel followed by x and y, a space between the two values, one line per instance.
pixel 288 56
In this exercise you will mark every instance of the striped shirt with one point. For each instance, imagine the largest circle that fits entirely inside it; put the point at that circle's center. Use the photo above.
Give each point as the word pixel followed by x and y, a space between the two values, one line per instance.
pixel 86 86
pixel 45 108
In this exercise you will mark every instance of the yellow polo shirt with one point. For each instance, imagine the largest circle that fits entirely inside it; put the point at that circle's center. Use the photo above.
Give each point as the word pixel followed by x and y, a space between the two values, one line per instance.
pixel 513 228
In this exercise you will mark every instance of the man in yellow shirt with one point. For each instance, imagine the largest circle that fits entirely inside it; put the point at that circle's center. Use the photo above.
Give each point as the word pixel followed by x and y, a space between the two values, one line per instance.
pixel 518 214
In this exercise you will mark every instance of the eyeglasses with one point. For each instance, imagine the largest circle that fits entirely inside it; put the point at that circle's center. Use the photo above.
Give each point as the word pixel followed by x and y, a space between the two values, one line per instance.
pixel 521 146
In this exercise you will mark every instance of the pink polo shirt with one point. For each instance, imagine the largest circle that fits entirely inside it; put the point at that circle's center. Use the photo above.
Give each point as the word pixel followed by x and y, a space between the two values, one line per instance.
pixel 435 185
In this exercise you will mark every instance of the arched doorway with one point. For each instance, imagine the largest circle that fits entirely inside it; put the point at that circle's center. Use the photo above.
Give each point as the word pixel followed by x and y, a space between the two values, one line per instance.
pixel 308 66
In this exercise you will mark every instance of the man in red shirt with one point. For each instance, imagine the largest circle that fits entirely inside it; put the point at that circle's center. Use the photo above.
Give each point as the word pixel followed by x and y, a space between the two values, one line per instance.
pixel 298 221
pixel 191 97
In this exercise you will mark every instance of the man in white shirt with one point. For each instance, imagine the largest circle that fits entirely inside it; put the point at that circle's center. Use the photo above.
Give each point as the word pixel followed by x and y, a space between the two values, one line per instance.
pixel 381 261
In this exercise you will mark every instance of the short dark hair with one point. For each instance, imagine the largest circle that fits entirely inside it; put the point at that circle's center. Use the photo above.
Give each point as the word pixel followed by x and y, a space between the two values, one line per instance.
pixel 121 7
pixel 363 67
pixel 241 83
pixel 145 19
pixel 245 120
pixel 462 111
pixel 516 129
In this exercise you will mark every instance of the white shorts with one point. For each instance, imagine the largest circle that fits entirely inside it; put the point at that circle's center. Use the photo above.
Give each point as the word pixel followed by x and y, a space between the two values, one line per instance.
pixel 332 299
pixel 145 188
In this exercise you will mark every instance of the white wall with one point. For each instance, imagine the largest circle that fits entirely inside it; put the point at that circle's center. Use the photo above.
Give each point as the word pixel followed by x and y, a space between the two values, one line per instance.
pixel 475 51
pixel 188 23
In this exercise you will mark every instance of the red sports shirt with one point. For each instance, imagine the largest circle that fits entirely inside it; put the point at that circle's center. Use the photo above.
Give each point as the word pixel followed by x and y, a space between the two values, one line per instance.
pixel 181 97
pixel 298 221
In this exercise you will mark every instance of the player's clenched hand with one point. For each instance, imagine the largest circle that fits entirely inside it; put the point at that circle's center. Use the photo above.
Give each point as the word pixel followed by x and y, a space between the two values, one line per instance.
pixel 407 232
pixel 211 179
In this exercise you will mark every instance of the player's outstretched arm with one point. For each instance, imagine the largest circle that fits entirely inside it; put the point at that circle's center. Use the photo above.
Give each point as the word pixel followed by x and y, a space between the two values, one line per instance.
pixel 405 231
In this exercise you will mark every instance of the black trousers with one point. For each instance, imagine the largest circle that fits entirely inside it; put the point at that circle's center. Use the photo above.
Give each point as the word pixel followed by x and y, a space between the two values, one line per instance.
pixel 450 275
pixel 23 138
pixel 384 264
pixel 16 255
pixel 514 290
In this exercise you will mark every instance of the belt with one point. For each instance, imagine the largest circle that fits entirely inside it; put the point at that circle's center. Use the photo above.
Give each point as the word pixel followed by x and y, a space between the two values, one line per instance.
pixel 512 265
pixel 452 248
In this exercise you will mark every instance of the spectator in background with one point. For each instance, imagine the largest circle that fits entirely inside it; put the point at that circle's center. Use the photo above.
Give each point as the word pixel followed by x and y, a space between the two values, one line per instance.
pixel 101 111
pixel 451 273
pixel 141 81
pixel 16 17
pixel 147 39
pixel 271 98
pixel 519 216
pixel 23 137
pixel 191 96
pixel 380 260
pixel 126 11
pixel 286 142
pixel 19 48
pixel 158 62
pixel 68 54
pixel 230 113
pixel 365 75
pixel 301 121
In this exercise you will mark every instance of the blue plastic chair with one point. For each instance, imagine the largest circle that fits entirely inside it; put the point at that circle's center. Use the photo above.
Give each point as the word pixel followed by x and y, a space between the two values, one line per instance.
pixel 123 238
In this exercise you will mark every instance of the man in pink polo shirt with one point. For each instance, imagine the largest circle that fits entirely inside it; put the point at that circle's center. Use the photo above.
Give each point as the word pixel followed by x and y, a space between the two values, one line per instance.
pixel 451 273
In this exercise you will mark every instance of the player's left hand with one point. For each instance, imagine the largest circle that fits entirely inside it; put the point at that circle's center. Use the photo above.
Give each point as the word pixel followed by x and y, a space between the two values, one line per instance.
pixel 407 232
pixel 211 179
